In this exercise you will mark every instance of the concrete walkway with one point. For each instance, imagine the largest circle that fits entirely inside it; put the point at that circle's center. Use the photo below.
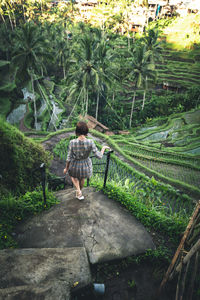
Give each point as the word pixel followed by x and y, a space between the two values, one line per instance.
pixel 59 245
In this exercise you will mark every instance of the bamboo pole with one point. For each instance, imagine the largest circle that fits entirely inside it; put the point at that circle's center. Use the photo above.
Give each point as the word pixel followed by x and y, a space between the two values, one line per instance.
pixel 194 275
pixel 195 234
pixel 196 211
pixel 193 228
pixel 179 280
pixel 184 279
pixel 192 251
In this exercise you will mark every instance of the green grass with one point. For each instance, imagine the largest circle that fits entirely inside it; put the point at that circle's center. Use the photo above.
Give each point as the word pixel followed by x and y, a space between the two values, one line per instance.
pixel 14 210
pixel 170 169
pixel 152 214
pixel 148 152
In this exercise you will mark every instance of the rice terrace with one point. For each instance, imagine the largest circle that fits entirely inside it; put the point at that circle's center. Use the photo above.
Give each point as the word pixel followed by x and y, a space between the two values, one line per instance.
pixel 130 69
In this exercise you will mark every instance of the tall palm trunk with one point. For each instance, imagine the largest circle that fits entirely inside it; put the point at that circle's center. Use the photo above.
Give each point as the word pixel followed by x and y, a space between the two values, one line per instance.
pixel 128 41
pixel 144 95
pixel 113 97
pixel 63 66
pixel 132 106
pixel 24 13
pixel 97 106
pixel 86 104
pixel 42 72
pixel 3 19
pixel 11 24
pixel 34 103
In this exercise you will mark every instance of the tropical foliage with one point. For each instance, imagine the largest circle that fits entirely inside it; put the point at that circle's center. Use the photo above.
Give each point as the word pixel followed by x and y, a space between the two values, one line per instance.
pixel 98 67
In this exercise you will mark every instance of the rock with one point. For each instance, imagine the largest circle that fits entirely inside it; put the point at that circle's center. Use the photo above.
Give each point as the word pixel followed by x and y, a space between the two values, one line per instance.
pixel 57 244
pixel 47 274
pixel 101 225
pixel 49 291
pixel 109 231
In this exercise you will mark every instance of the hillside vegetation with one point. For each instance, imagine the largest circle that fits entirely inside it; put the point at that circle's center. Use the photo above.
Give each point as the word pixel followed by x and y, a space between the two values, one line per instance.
pixel 20 157
pixel 97 67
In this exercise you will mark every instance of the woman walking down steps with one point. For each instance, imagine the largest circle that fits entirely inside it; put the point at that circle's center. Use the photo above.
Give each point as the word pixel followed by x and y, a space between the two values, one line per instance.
pixel 79 165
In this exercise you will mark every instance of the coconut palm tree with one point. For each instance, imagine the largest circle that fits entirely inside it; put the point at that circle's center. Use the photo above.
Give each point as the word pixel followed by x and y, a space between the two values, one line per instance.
pixel 154 48
pixel 103 55
pixel 141 69
pixel 84 73
pixel 63 54
pixel 7 10
pixel 89 73
pixel 29 48
pixel 153 44
pixel 28 55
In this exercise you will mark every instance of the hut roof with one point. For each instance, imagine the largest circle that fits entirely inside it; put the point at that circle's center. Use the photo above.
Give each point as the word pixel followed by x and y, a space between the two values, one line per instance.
pixel 93 123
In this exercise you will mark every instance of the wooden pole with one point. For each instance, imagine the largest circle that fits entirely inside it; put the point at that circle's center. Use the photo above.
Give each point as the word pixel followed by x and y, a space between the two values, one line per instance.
pixel 179 247
pixel 179 281
pixel 183 282
pixel 193 250
pixel 194 275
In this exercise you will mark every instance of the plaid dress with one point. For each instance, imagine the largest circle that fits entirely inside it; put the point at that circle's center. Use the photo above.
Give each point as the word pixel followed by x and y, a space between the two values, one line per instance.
pixel 78 155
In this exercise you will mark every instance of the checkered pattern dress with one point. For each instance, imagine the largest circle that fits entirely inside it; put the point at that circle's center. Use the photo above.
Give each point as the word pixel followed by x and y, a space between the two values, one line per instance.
pixel 78 155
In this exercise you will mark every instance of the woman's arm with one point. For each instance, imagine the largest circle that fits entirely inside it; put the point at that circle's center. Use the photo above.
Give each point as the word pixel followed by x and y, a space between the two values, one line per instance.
pixel 69 156
pixel 97 153
pixel 104 148
pixel 67 167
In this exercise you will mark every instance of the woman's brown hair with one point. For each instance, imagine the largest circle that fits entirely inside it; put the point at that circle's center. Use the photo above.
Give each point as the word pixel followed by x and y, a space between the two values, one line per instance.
pixel 81 129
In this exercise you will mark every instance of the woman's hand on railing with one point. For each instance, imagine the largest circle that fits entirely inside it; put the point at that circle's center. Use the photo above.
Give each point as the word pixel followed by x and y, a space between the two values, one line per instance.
pixel 104 148
pixel 66 168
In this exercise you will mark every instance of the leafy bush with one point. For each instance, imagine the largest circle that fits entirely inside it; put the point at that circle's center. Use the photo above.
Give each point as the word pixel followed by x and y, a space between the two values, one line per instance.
pixel 20 157
pixel 13 210
pixel 167 104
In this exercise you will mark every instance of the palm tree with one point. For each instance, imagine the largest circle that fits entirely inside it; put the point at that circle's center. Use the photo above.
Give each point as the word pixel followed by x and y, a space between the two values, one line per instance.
pixel 63 54
pixel 142 68
pixel 28 55
pixel 90 71
pixel 84 73
pixel 7 9
pixel 153 44
pixel 103 55
pixel 154 48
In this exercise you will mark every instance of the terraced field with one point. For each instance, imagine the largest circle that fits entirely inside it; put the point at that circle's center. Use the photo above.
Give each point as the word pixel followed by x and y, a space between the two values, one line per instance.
pixel 178 71
pixel 170 151
pixel 178 68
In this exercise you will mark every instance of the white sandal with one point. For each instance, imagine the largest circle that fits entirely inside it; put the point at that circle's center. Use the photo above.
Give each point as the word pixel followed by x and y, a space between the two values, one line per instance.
pixel 79 196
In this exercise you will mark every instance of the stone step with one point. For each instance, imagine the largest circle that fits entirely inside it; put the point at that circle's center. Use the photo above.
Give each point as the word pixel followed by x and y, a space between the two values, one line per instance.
pixel 101 225
pixel 46 273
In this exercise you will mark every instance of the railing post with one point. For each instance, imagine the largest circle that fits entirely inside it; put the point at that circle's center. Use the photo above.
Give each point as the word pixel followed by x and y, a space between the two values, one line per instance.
pixel 88 181
pixel 107 167
pixel 43 176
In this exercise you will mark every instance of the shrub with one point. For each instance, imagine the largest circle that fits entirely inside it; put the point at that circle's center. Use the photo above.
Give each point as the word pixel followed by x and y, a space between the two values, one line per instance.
pixel 13 210
pixel 20 156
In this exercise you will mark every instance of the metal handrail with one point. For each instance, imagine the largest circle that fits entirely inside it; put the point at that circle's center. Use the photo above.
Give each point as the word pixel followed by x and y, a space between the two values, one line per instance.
pixel 106 169
pixel 42 169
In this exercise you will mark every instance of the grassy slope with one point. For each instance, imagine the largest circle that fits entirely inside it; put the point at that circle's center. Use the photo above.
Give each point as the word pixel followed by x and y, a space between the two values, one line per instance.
pixel 20 156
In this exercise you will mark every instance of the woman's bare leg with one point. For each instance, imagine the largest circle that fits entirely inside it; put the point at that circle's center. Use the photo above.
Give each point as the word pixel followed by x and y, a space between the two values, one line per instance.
pixel 81 183
pixel 76 184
